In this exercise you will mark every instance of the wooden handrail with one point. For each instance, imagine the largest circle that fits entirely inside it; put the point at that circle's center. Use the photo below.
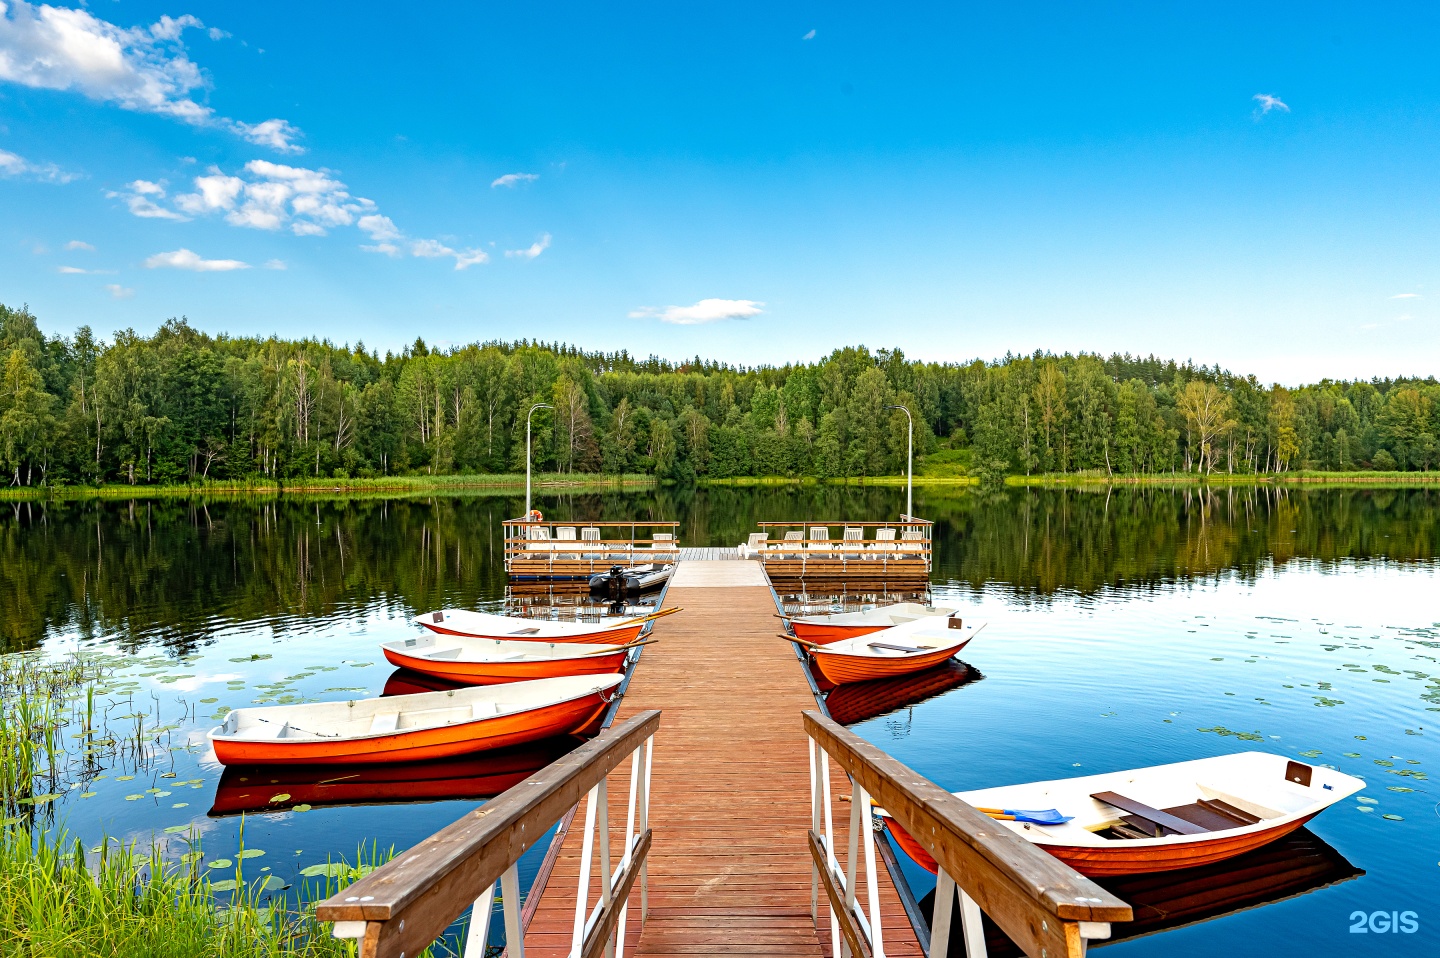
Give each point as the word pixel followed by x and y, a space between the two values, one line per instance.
pixel 585 522
pixel 882 523
pixel 408 902
pixel 1035 899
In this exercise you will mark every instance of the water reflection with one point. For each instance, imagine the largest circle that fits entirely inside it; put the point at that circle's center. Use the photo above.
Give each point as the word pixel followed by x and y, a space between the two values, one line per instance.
pixel 1296 865
pixel 283 788
pixel 862 701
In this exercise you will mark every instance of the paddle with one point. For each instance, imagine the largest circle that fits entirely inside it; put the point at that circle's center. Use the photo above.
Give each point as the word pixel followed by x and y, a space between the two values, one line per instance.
pixel 621 648
pixel 791 638
pixel 1048 816
pixel 658 614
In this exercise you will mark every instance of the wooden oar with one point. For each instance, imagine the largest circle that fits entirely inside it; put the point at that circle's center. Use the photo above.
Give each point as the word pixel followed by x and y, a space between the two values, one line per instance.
pixel 791 638
pixel 657 614
pixel 620 648
pixel 1048 816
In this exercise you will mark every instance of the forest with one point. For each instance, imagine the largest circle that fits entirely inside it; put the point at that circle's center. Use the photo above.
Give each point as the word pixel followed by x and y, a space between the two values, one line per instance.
pixel 184 406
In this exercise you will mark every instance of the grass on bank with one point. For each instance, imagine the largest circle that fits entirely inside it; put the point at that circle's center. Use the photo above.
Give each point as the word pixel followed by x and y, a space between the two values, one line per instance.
pixel 57 898
pixel 385 485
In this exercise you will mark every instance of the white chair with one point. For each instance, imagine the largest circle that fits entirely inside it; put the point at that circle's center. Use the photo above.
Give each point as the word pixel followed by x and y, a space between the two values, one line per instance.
pixel 590 534
pixel 756 545
pixel 819 538
pixel 856 535
pixel 564 534
pixel 539 537
pixel 884 541
pixel 663 542
pixel 794 542
pixel 912 542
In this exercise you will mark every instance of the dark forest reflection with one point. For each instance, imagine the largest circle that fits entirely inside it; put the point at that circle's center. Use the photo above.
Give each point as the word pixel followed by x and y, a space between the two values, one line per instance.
pixel 176 571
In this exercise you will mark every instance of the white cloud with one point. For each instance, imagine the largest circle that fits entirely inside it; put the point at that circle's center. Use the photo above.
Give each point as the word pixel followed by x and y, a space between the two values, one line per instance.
pixel 307 202
pixel 471 257
pixel 1406 296
pixel 185 259
pixel 144 69
pixel 79 244
pixel 532 251
pixel 141 195
pixel 119 292
pixel 809 36
pixel 430 249
pixel 71 271
pixel 705 311
pixel 13 164
pixel 275 264
pixel 1268 102
pixel 514 179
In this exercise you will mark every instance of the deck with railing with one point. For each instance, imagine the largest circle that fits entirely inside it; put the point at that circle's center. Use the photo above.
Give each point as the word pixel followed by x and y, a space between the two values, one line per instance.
pixel 863 553
pixel 557 551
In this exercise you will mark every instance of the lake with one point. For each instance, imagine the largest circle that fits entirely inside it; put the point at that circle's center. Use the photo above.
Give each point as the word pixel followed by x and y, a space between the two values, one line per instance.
pixel 1126 627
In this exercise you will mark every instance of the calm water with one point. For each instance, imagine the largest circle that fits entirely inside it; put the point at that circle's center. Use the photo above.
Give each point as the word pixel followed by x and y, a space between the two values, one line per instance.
pixel 1126 629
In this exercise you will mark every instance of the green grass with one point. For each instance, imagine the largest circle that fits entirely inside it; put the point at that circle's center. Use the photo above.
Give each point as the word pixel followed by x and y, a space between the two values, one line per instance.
pixel 388 486
pixel 57 898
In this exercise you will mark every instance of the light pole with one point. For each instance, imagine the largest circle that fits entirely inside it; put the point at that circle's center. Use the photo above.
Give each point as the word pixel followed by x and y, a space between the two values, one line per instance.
pixel 538 405
pixel 909 460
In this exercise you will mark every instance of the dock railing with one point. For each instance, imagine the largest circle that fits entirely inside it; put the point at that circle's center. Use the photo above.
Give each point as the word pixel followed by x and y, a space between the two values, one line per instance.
pixel 863 550
pixel 404 905
pixel 574 549
pixel 1048 909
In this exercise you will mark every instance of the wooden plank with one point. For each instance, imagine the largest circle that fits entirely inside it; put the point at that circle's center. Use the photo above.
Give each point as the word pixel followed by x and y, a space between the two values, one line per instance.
pixel 729 869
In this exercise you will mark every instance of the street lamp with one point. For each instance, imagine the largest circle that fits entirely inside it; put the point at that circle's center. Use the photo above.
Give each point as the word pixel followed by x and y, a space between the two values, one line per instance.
pixel 538 405
pixel 909 461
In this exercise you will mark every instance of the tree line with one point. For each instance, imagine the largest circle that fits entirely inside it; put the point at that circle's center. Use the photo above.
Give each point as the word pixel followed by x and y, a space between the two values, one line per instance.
pixel 184 406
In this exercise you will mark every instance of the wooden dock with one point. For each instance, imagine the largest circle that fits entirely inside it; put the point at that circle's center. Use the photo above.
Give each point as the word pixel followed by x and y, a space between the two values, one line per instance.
pixel 730 869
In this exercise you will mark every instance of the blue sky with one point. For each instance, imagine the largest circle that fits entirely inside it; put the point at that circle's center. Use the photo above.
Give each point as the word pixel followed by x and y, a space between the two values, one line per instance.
pixel 754 183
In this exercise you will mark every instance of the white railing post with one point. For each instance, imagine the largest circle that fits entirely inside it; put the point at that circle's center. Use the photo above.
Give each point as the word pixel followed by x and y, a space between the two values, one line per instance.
pixel 607 877
pixel 510 892
pixel 582 894
pixel 478 938
pixel 941 911
pixel 815 827
pixel 972 921
pixel 830 859
pixel 861 799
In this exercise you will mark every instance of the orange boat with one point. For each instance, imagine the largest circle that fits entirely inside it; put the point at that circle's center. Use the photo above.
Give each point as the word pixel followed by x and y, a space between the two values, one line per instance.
pixel 609 630
pixel 896 651
pixel 835 626
pixel 410 728
pixel 247 790
pixel 1161 818
pixel 495 661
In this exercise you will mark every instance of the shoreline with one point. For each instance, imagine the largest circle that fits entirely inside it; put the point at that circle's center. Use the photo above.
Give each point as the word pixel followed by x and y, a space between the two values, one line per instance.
pixel 400 486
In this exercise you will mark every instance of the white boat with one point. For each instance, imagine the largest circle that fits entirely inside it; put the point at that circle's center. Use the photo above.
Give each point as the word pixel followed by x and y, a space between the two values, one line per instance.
pixel 409 728
pixel 834 626
pixel 471 661
pixel 617 630
pixel 1163 817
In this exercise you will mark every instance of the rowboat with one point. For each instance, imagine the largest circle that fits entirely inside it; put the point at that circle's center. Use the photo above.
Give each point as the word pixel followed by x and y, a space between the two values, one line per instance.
pixel 899 650
pixel 609 630
pixel 469 661
pixel 1163 817
pixel 834 626
pixel 1292 866
pixel 410 728
pixel 279 788
pixel 635 580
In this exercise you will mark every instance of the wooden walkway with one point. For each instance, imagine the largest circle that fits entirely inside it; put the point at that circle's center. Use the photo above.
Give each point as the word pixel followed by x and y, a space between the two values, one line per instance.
pixel 730 869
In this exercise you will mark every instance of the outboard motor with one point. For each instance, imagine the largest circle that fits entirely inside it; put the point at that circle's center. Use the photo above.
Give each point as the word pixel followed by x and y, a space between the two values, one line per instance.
pixel 610 586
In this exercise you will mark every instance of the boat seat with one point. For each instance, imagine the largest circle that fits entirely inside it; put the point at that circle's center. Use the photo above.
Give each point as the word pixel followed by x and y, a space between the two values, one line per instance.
pixel 265 729
pixel 384 722
pixel 1214 815
pixel 482 710
pixel 1151 821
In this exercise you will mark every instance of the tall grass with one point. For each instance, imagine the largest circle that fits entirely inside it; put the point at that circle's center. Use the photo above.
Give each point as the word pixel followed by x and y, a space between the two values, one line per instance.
pixel 57 899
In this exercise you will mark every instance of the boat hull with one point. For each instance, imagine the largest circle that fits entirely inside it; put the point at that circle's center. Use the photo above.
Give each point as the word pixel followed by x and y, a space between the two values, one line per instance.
pixel 1119 860
pixel 421 744
pixel 498 673
pixel 842 668
pixel 825 634
pixel 617 636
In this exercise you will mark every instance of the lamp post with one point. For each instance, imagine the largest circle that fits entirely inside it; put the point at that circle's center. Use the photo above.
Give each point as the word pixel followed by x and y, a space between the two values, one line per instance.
pixel 538 405
pixel 909 461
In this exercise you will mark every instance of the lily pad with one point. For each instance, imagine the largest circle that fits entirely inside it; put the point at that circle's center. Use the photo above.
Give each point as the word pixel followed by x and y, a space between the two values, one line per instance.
pixel 302 807
pixel 1392 818
pixel 249 853
pixel 228 884
pixel 328 870
pixel 1368 800
pixel 221 863
pixel 133 798
pixel 174 829
pixel 282 797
